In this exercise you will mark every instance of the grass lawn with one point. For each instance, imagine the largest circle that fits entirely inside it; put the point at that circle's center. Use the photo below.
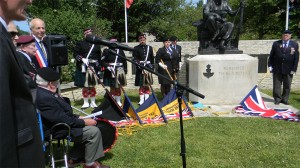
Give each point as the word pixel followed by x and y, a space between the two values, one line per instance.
pixel 211 142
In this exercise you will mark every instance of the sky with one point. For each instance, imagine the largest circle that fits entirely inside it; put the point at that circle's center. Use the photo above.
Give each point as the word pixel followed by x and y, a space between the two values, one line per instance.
pixel 23 25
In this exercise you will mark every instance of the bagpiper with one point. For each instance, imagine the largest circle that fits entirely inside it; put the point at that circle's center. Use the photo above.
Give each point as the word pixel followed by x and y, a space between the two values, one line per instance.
pixel 86 76
pixel 143 55
pixel 115 70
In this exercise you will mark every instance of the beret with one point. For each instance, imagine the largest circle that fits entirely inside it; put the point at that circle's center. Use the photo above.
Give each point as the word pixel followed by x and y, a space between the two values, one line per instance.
pixel 164 39
pixel 287 32
pixel 25 39
pixel 86 29
pixel 113 40
pixel 48 74
pixel 142 36
pixel 174 38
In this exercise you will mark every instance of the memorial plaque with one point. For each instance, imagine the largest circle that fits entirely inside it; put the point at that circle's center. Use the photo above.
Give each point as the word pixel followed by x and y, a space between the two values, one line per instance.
pixel 223 79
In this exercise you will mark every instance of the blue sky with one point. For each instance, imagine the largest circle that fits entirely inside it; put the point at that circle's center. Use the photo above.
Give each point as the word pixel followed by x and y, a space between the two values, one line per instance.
pixel 23 25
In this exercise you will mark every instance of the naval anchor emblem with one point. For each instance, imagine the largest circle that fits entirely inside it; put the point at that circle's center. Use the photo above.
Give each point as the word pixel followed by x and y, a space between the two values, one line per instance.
pixel 208 72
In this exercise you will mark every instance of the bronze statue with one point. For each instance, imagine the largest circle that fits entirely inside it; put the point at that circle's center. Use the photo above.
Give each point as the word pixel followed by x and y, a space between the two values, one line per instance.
pixel 215 13
pixel 214 31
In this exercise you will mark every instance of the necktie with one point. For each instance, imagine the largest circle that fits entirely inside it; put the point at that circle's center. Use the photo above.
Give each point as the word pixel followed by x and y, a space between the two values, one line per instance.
pixel 32 64
pixel 43 49
pixel 169 51
pixel 285 45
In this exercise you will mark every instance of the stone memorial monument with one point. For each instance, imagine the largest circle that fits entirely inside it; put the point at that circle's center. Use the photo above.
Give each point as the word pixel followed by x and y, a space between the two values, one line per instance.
pixel 223 79
pixel 220 71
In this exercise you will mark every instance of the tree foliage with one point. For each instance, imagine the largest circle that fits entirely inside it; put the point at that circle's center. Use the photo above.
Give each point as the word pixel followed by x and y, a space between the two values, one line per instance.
pixel 262 18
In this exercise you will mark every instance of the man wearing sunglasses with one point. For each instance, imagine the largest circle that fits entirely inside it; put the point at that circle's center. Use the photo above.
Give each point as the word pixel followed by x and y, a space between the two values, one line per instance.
pixel 12 29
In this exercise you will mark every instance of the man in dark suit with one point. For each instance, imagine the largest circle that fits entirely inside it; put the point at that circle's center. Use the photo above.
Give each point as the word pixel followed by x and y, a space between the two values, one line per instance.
pixel 20 142
pixel 54 109
pixel 177 47
pixel 38 31
pixel 26 46
pixel 283 63
pixel 27 50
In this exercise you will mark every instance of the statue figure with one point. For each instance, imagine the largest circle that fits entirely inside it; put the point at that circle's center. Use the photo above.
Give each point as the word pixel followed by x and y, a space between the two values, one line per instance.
pixel 214 30
pixel 215 13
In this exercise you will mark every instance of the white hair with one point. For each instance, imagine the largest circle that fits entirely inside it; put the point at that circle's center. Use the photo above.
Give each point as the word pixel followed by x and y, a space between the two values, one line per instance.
pixel 40 81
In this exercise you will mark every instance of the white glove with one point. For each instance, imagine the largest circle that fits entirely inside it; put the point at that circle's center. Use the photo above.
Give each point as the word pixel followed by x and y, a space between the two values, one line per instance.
pixel 180 65
pixel 84 60
pixel 292 72
pixel 270 69
pixel 109 68
pixel 162 65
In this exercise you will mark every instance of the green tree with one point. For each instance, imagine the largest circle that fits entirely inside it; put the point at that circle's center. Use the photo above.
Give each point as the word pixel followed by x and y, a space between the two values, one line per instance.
pixel 156 17
pixel 62 18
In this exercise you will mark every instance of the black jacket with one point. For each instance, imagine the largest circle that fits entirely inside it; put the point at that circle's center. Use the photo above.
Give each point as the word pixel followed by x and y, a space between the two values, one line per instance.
pixel 283 60
pixel 82 48
pixel 20 142
pixel 55 109
pixel 139 54
pixel 170 60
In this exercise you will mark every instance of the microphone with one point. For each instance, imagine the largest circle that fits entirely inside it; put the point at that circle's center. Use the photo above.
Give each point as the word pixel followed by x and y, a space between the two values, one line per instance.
pixel 97 40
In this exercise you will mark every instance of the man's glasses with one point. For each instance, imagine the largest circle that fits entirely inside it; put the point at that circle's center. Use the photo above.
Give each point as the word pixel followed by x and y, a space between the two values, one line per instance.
pixel 13 34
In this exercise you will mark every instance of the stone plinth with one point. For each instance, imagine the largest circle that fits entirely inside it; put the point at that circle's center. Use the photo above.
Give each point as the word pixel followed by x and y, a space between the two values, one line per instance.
pixel 223 79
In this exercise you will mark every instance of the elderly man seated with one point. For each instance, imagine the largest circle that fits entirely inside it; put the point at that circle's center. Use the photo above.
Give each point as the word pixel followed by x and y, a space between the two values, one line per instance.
pixel 26 51
pixel 86 136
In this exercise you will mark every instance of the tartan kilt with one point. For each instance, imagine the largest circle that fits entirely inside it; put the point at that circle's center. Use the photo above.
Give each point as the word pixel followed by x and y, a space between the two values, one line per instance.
pixel 79 78
pixel 108 80
pixel 111 82
pixel 140 79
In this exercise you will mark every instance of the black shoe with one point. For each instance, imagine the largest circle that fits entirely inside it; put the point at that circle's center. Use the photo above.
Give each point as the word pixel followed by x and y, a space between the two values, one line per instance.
pixel 276 102
pixel 286 103
pixel 74 163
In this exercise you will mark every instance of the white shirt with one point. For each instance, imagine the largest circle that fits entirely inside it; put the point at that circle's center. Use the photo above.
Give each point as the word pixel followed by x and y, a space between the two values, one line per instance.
pixel 3 23
pixel 26 55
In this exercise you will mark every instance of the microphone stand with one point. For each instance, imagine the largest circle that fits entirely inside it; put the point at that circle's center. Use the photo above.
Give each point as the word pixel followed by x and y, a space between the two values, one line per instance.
pixel 179 92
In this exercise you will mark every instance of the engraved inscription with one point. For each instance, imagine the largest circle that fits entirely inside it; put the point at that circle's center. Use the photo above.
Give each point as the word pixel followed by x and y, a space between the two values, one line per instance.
pixel 233 72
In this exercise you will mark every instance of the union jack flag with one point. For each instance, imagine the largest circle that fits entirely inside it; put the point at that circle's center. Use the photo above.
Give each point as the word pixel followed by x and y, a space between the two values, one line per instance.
pixel 253 104
pixel 186 113
pixel 155 120
pixel 124 123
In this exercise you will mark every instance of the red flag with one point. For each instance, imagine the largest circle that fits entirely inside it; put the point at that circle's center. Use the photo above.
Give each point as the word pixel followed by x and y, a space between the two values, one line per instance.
pixel 128 3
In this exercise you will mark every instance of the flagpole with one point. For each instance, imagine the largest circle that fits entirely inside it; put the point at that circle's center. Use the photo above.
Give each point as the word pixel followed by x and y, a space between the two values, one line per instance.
pixel 287 15
pixel 126 35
